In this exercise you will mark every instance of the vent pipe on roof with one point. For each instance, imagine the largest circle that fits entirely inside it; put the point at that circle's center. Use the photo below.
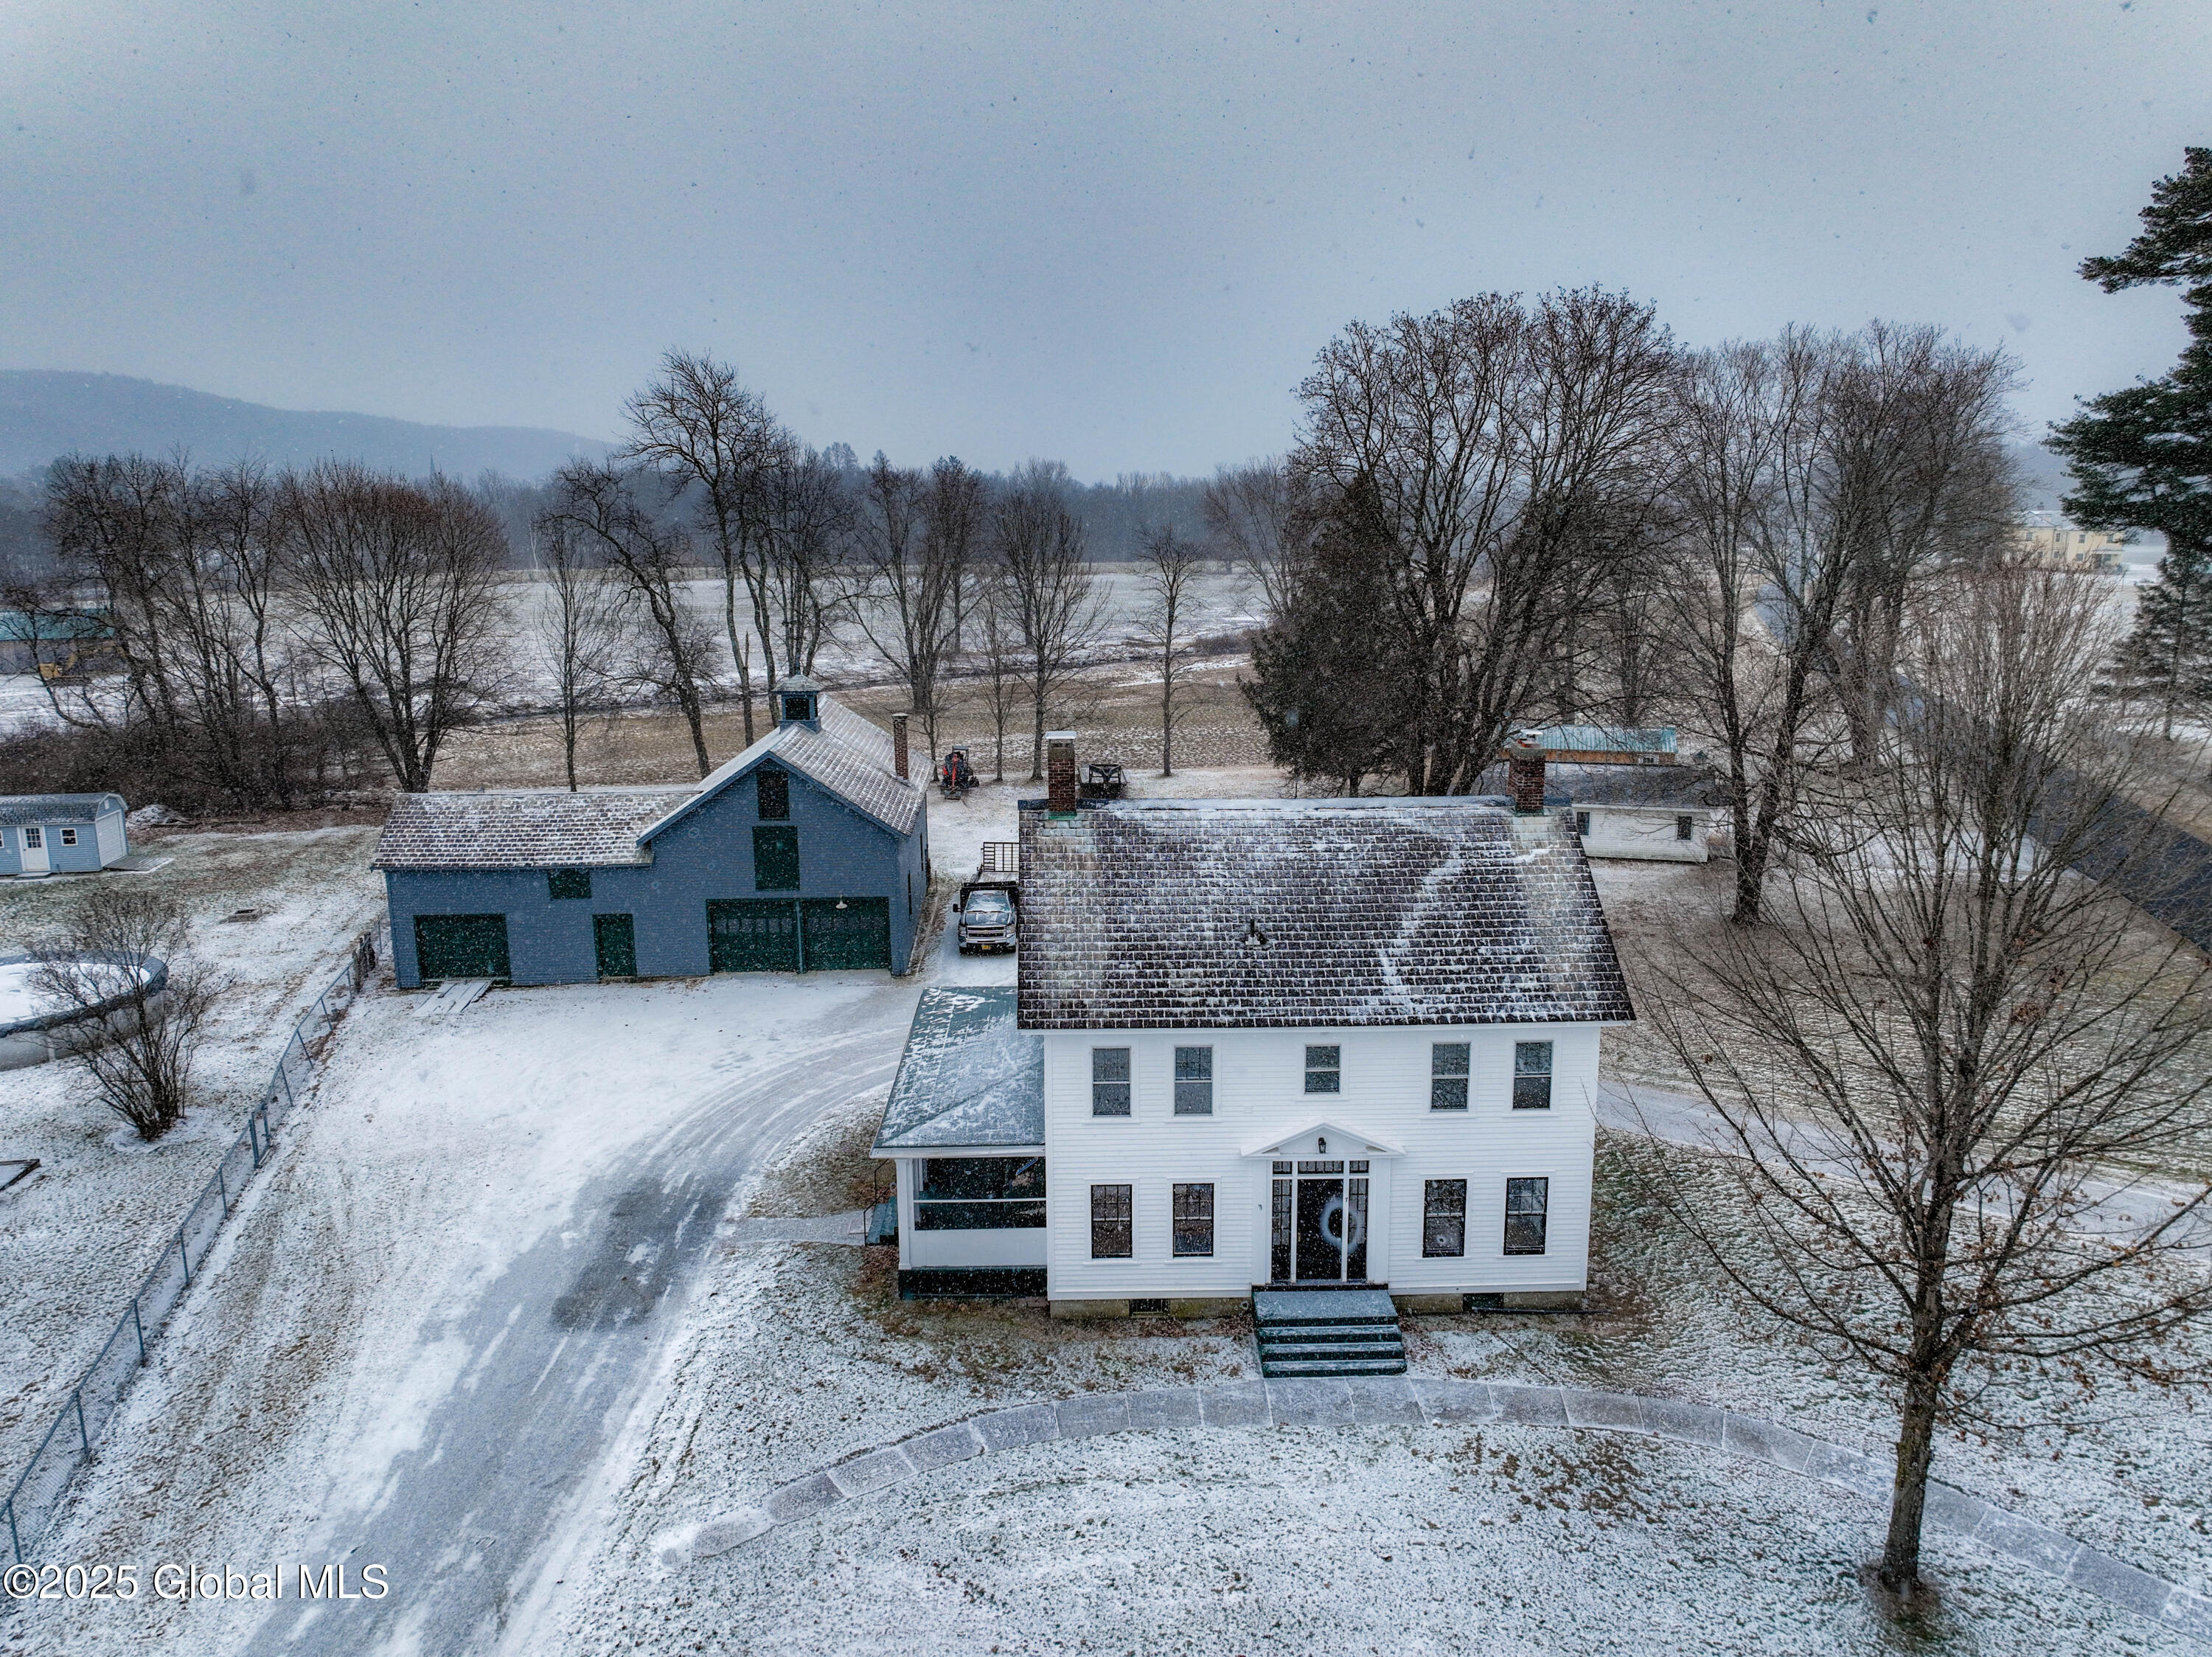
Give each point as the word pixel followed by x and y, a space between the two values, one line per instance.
pixel 1060 773
pixel 898 746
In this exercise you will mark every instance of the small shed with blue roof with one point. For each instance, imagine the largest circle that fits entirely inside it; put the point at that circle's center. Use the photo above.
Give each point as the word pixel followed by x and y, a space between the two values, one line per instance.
pixel 807 852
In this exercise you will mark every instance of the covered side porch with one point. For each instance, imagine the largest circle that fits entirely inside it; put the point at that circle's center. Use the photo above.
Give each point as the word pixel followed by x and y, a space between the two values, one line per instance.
pixel 965 1127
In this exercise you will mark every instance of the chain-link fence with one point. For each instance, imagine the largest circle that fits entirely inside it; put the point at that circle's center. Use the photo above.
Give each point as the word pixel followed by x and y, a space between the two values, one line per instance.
pixel 31 1506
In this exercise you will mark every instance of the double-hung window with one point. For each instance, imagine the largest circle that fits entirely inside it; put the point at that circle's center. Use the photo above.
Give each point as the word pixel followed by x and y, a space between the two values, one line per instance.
pixel 1444 1218
pixel 1448 1075
pixel 1194 1085
pixel 1110 1081
pixel 1194 1220
pixel 1532 1075
pixel 1324 1070
pixel 69 837
pixel 1112 1235
pixel 1525 1202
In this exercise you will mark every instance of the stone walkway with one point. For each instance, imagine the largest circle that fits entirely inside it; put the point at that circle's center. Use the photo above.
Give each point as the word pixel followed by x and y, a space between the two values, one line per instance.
pixel 1424 1400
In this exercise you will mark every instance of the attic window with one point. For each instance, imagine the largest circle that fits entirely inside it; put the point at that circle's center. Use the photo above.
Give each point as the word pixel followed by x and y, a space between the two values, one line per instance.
pixel 774 795
pixel 567 883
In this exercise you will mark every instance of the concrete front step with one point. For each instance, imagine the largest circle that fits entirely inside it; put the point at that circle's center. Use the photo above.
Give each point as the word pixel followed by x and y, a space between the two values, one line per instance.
pixel 1284 1369
pixel 1322 1305
pixel 1328 1331
pixel 1270 1333
pixel 1271 1351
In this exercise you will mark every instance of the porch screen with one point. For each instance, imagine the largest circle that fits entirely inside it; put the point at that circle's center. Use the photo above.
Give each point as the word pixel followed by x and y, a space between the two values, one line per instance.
pixel 980 1193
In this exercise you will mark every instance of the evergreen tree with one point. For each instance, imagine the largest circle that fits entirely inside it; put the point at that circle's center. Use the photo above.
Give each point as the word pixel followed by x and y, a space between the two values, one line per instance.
pixel 2168 659
pixel 2142 457
pixel 1330 670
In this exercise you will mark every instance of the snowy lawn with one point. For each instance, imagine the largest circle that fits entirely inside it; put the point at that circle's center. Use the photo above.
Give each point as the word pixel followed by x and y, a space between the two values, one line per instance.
pixel 272 914
pixel 1388 1540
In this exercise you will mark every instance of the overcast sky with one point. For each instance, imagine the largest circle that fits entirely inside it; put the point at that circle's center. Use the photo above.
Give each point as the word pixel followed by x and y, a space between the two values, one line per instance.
pixel 976 229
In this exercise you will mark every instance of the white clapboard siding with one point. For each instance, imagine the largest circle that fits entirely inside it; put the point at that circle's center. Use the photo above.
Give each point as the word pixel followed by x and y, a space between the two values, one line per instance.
pixel 1259 1095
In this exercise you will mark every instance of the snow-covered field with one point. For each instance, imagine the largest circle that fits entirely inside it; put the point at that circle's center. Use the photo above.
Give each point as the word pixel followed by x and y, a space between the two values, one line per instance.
pixel 272 914
pixel 446 1335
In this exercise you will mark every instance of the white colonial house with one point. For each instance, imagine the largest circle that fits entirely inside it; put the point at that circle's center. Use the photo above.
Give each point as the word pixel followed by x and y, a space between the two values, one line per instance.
pixel 1261 1044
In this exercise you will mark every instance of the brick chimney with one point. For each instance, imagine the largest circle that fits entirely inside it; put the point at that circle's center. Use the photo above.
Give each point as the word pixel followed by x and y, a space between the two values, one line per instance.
pixel 1061 791
pixel 1524 781
pixel 898 746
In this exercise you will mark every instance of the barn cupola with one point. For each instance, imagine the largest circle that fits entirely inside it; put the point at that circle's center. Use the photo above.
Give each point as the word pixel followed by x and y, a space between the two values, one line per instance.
pixel 798 702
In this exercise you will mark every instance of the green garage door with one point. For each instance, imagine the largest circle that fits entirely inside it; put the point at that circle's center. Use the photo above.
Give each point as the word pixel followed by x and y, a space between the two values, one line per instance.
pixel 751 935
pixel 461 946
pixel 848 932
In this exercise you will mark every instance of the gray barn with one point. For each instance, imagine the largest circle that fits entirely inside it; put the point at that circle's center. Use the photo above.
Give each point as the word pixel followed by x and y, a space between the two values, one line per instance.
pixel 808 852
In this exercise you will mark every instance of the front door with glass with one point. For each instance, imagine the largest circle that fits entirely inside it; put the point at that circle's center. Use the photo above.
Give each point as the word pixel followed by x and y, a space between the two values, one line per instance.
pixel 1320 1222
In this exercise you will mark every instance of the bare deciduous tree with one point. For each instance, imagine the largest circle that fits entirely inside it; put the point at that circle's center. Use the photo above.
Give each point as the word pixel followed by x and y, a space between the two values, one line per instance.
pixel 137 1039
pixel 998 642
pixel 700 427
pixel 1508 452
pixel 915 575
pixel 1260 522
pixel 1937 1065
pixel 1170 564
pixel 1049 595
pixel 805 522
pixel 586 643
pixel 597 509
pixel 401 591
pixel 954 511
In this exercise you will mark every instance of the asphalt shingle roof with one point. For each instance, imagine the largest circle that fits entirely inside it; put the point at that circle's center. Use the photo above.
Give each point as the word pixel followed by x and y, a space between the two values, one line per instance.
pixel 595 828
pixel 1226 914
pixel 850 756
pixel 969 1076
pixel 54 807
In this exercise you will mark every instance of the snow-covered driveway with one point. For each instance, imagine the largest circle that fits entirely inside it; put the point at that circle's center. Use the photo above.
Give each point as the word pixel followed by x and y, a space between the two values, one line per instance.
pixel 429 1325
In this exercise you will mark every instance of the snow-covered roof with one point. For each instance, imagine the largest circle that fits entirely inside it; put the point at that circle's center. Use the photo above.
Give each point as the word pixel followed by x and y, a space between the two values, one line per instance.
pixel 970 1077
pixel 56 808
pixel 592 828
pixel 523 828
pixel 850 756
pixel 1196 914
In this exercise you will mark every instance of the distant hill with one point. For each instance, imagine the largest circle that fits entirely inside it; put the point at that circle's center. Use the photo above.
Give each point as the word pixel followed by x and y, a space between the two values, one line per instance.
pixel 49 412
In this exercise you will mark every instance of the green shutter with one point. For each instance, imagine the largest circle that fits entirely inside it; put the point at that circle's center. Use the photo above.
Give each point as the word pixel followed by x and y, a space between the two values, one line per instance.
pixel 461 946
pixel 775 860
pixel 857 936
pixel 752 936
pixel 614 941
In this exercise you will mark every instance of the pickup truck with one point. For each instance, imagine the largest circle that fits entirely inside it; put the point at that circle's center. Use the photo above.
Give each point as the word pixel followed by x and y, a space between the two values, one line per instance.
pixel 990 905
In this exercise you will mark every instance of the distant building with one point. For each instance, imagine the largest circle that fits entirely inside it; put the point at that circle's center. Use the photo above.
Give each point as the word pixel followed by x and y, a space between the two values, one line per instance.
pixel 2048 539
pixel 807 852
pixel 1267 1043
pixel 61 834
